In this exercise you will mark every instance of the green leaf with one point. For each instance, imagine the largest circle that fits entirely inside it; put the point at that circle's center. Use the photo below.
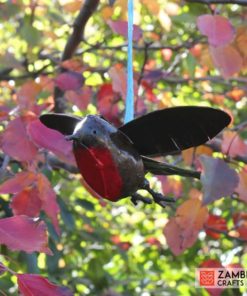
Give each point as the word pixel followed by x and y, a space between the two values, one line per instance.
pixel 8 10
pixel 86 204
pixel 66 215
pixel 30 34
pixel 190 64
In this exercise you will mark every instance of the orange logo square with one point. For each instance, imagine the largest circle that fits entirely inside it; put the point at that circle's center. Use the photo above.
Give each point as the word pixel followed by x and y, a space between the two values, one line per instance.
pixel 206 277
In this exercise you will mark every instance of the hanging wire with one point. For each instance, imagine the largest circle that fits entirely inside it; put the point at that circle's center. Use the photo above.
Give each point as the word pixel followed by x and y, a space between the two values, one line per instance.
pixel 129 109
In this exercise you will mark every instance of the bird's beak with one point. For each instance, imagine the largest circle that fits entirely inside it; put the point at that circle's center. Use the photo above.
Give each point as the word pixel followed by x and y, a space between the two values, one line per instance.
pixel 70 138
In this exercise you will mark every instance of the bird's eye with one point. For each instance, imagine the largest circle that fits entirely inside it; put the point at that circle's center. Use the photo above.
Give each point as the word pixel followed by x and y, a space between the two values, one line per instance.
pixel 94 132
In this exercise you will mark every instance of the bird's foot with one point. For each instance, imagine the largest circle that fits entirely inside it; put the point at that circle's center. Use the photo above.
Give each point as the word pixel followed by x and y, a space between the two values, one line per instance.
pixel 137 197
pixel 162 200
pixel 158 198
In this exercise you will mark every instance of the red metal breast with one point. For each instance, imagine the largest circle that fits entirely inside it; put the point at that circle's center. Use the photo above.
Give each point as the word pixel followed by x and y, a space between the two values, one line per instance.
pixel 99 171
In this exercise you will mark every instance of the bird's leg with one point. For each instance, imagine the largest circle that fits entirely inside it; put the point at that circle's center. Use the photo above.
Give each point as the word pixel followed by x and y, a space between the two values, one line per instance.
pixel 138 197
pixel 158 198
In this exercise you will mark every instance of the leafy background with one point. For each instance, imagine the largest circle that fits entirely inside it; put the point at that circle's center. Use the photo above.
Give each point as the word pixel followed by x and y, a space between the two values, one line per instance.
pixel 56 56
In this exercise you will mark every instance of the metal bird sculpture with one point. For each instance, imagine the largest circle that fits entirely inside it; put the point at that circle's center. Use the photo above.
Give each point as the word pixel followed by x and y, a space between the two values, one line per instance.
pixel 113 161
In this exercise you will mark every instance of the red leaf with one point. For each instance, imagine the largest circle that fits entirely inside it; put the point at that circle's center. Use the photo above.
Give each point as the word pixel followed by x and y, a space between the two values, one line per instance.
pixel 181 231
pixel 36 285
pixel 211 263
pixel 69 81
pixel 236 94
pixel 121 28
pixel 52 140
pixel 15 141
pixel 242 186
pixel 105 94
pixel 174 237
pixel 81 97
pixel 217 223
pixel 218 29
pixel 233 265
pixel 153 241
pixel 107 104
pixel 106 90
pixel 167 54
pixel 124 245
pixel 24 234
pixel 74 64
pixel 140 107
pixel 217 178
pixel 171 185
pixel 4 113
pixel 18 182
pixel 119 80
pixel 27 203
pixel 240 222
pixel 27 94
pixel 227 59
pixel 149 92
pixel 48 197
pixel 233 145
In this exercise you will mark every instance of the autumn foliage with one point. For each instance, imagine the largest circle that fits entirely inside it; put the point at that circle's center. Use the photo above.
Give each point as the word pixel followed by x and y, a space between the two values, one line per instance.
pixel 56 238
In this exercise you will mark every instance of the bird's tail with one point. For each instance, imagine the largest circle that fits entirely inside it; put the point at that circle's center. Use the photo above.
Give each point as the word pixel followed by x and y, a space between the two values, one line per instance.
pixel 162 168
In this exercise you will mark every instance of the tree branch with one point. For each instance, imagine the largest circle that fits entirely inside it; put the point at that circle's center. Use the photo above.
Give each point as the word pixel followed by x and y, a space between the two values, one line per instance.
pixel 215 144
pixel 145 59
pixel 225 233
pixel 4 165
pixel 186 45
pixel 79 26
pixel 214 79
pixel 208 2
pixel 56 163
pixel 77 35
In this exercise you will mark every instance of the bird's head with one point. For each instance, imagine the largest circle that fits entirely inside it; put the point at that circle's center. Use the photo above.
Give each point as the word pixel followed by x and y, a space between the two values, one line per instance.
pixel 92 131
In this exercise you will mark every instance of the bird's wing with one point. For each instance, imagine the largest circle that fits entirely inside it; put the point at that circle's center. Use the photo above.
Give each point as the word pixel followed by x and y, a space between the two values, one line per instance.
pixel 63 123
pixel 174 129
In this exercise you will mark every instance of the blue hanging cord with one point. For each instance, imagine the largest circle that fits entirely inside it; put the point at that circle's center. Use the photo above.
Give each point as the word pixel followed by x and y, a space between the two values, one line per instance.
pixel 129 111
